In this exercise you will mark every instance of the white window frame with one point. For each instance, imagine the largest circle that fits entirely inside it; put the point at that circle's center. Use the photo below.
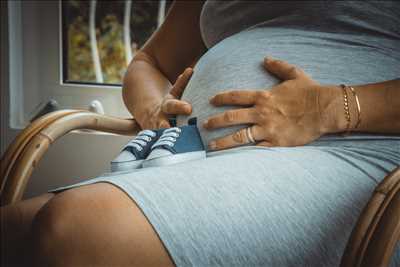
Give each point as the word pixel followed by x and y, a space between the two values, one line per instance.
pixel 35 63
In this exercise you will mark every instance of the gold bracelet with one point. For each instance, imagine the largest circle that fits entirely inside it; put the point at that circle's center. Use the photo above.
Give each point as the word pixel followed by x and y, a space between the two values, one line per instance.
pixel 358 106
pixel 346 108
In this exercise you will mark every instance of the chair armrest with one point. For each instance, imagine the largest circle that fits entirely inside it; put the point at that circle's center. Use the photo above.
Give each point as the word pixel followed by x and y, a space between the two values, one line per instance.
pixel 374 238
pixel 18 144
pixel 28 148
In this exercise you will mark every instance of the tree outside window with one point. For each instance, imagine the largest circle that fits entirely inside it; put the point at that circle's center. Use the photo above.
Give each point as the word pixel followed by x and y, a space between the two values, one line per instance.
pixel 101 37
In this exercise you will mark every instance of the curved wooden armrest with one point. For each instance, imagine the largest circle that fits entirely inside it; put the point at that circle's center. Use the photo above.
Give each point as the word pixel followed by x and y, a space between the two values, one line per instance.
pixel 18 144
pixel 374 238
pixel 30 145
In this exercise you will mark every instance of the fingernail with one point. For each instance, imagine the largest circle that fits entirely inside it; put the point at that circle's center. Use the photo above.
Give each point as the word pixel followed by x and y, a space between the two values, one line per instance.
pixel 188 71
pixel 212 145
pixel 268 59
pixel 205 123
pixel 211 99
pixel 188 107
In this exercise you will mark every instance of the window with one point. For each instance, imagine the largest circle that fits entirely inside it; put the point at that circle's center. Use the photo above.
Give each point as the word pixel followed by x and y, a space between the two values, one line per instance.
pixel 101 37
pixel 74 53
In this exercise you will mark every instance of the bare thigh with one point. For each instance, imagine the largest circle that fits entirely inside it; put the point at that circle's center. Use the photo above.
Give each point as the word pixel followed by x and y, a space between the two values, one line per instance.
pixel 26 209
pixel 16 220
pixel 95 224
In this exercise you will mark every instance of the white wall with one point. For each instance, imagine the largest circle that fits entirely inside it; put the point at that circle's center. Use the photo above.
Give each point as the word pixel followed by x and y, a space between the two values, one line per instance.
pixel 72 158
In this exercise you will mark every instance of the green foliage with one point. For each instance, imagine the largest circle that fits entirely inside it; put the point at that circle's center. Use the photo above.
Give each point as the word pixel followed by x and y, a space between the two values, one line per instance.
pixel 109 33
pixel 111 49
pixel 79 63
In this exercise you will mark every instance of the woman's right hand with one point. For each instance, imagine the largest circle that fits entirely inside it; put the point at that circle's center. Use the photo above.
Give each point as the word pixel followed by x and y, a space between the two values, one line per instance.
pixel 156 116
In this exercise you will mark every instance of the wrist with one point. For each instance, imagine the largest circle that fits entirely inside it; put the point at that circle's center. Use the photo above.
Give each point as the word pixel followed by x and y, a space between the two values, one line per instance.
pixel 331 107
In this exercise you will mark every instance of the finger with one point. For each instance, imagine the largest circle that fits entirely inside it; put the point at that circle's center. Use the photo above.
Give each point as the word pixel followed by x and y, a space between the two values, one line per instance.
pixel 180 84
pixel 175 107
pixel 284 70
pixel 231 117
pixel 236 139
pixel 265 143
pixel 237 97
pixel 163 123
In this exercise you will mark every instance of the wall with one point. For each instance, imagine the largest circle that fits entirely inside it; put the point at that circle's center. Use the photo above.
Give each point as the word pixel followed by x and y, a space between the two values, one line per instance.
pixel 72 158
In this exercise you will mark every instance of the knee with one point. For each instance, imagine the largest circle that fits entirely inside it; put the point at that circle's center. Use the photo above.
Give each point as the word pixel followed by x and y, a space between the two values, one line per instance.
pixel 52 229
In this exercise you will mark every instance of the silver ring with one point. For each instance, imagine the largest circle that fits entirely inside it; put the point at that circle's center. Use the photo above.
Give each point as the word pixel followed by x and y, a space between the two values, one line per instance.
pixel 250 135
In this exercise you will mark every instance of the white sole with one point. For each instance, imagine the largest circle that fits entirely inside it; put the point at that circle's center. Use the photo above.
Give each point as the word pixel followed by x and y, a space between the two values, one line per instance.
pixel 173 159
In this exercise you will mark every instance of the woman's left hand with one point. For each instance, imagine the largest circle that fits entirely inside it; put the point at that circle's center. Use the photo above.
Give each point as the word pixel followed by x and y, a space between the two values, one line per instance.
pixel 287 115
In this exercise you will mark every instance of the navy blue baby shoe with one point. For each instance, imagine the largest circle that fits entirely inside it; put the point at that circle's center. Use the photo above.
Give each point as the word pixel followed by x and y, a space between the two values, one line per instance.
pixel 134 153
pixel 176 144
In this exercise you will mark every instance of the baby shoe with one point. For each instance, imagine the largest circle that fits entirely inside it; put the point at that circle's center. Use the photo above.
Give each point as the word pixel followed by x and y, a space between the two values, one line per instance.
pixel 176 144
pixel 133 153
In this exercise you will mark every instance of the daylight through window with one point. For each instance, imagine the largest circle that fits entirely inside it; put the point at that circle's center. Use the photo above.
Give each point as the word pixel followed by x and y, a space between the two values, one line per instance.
pixel 101 37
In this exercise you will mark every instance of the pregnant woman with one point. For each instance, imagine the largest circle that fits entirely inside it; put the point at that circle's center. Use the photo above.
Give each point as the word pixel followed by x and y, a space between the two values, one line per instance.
pixel 282 185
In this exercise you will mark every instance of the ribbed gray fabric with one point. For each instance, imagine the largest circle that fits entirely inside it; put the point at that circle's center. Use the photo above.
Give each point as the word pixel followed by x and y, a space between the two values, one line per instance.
pixel 221 19
pixel 254 206
pixel 258 206
pixel 333 41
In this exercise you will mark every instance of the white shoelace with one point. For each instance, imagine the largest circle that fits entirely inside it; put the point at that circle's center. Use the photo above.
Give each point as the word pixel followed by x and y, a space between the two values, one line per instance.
pixel 141 139
pixel 168 137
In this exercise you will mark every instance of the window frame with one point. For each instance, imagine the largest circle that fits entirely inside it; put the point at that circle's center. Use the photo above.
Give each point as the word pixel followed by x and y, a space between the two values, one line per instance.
pixel 36 71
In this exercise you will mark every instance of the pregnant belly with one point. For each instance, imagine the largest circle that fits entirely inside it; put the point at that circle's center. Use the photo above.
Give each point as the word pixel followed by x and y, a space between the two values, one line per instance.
pixel 236 63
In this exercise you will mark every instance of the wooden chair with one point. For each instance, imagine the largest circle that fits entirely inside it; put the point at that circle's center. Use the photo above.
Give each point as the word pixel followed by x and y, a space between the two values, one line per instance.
pixel 372 242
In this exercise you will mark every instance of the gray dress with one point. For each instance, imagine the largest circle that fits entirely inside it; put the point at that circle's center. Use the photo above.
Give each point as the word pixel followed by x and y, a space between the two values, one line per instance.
pixel 256 206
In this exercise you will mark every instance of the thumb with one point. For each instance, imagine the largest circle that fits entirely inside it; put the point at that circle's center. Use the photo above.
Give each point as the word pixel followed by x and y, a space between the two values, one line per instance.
pixel 181 82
